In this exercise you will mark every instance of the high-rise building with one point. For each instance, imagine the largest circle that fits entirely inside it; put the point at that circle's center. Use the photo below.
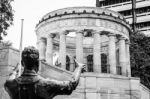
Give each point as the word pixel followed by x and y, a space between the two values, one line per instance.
pixel 124 7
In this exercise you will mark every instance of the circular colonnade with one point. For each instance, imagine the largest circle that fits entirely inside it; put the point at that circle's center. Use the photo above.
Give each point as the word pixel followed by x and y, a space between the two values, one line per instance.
pixel 95 36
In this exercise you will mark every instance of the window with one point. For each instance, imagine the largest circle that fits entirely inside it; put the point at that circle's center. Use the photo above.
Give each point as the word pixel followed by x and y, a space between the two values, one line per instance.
pixel 138 11
pixel 90 63
pixel 110 2
pixel 143 25
pixel 117 62
pixel 119 70
pixel 104 64
pixel 67 63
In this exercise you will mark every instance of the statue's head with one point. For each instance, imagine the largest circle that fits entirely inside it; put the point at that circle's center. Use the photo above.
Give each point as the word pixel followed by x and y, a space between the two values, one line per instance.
pixel 30 58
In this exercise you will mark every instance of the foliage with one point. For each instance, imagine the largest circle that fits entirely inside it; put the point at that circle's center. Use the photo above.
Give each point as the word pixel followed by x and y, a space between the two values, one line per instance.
pixel 140 57
pixel 6 16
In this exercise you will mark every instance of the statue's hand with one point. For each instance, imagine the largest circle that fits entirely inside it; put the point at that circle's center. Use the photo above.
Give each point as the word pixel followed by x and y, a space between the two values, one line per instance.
pixel 14 72
pixel 83 69
pixel 16 69
pixel 82 66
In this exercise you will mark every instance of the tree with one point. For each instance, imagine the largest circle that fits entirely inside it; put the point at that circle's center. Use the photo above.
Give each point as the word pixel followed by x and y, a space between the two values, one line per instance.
pixel 140 57
pixel 6 16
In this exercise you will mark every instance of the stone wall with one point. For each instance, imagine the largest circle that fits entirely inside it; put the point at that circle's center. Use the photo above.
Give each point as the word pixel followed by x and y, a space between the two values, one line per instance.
pixel 9 58
pixel 99 86
pixel 145 92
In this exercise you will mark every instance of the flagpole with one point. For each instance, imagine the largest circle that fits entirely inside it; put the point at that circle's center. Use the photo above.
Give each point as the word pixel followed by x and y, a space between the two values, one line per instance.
pixel 20 47
pixel 134 15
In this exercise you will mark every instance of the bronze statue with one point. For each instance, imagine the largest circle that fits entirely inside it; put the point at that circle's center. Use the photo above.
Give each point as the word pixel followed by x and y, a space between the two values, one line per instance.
pixel 30 85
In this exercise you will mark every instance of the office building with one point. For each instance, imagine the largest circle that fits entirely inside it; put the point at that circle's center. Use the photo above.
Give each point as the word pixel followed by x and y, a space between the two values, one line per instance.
pixel 124 7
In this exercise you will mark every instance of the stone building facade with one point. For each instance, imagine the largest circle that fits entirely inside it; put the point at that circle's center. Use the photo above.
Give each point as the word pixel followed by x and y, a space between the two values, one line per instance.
pixel 96 37
pixel 9 59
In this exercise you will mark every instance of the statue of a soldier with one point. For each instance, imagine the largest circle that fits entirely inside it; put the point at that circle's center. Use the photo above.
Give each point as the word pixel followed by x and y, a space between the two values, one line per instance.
pixel 30 85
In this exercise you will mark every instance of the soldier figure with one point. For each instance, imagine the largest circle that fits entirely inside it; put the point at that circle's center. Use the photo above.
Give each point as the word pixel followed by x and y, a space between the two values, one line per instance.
pixel 30 85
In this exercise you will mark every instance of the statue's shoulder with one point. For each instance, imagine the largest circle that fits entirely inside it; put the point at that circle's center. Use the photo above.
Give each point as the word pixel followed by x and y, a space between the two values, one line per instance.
pixel 10 83
pixel 46 81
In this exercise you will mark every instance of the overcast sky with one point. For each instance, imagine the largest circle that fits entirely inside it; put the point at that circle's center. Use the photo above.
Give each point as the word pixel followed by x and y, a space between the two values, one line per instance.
pixel 32 11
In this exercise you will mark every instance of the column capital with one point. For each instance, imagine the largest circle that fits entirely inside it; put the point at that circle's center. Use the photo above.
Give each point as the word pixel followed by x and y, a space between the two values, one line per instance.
pixel 111 34
pixel 96 32
pixel 128 42
pixel 79 31
pixel 52 35
pixel 122 38
pixel 64 32
pixel 42 39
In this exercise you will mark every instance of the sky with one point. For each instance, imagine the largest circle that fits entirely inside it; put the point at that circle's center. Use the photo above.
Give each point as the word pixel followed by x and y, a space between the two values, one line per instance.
pixel 32 11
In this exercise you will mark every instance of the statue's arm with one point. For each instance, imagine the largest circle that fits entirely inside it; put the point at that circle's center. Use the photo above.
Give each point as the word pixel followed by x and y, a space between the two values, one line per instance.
pixel 10 80
pixel 77 73
pixel 14 73
pixel 65 87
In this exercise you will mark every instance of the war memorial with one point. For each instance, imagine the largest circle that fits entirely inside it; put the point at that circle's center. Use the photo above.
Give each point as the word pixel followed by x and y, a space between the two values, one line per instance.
pixel 97 37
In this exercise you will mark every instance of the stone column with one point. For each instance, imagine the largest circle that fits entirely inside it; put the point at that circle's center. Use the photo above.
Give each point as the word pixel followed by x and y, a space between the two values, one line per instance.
pixel 42 49
pixel 112 54
pixel 49 49
pixel 62 49
pixel 122 55
pixel 97 52
pixel 79 46
pixel 128 58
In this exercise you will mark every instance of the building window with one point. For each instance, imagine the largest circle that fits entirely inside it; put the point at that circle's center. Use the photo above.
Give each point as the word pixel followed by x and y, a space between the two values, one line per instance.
pixel 143 25
pixel 111 2
pixel 104 64
pixel 119 70
pixel 75 64
pixel 90 63
pixel 138 11
pixel 117 57
pixel 67 63
pixel 117 62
